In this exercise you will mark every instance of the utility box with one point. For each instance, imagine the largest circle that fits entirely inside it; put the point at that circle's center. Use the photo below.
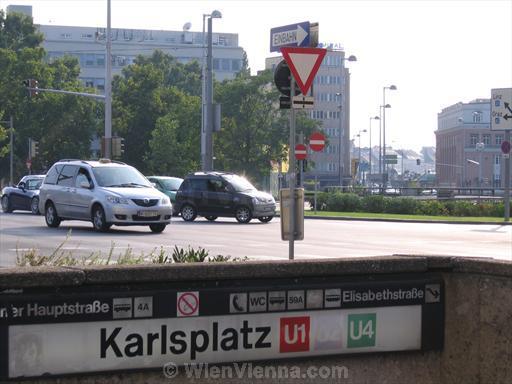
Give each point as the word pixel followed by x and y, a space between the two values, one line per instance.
pixel 285 204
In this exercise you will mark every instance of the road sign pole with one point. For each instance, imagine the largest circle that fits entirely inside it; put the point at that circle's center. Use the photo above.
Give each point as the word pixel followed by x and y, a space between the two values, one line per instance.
pixel 291 175
pixel 507 180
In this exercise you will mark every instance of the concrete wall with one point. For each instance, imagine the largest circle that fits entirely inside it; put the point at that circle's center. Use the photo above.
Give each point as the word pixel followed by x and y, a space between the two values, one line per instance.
pixel 478 323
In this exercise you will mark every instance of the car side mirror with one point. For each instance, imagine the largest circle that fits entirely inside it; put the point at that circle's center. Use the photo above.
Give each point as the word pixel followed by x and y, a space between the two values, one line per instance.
pixel 85 184
pixel 22 186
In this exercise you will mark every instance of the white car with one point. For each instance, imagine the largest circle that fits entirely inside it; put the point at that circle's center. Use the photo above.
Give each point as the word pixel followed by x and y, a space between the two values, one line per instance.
pixel 104 192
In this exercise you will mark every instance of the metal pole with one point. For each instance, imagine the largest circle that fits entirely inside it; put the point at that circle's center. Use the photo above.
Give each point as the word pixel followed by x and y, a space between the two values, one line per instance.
pixel 380 148
pixel 203 104
pixel 11 154
pixel 208 153
pixel 368 181
pixel 359 160
pixel 384 165
pixel 340 148
pixel 291 174
pixel 108 89
pixel 301 163
pixel 507 181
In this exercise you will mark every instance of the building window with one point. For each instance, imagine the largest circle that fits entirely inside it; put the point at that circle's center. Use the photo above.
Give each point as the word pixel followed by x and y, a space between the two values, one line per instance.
pixel 497 159
pixel 497 181
pixel 216 64
pixel 487 139
pixel 331 167
pixel 236 65
pixel 474 138
pixel 226 64
pixel 477 117
pixel 499 139
pixel 65 35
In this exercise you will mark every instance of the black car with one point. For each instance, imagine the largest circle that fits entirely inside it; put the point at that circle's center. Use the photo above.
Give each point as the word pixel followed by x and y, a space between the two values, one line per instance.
pixel 24 196
pixel 214 194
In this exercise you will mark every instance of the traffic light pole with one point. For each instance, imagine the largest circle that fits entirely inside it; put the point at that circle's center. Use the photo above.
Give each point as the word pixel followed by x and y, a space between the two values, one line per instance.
pixel 506 197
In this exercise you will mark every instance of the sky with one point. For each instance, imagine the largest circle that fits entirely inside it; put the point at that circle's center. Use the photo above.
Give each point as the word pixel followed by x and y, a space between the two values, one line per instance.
pixel 436 52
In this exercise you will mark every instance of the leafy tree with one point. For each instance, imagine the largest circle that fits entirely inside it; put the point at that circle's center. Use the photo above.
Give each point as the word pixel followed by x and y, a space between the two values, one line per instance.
pixel 254 131
pixel 157 92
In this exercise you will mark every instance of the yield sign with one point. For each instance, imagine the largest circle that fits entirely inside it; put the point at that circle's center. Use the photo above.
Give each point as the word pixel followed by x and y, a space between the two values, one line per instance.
pixel 304 64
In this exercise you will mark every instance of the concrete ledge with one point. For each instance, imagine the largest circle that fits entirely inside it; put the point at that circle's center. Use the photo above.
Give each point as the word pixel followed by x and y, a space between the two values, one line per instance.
pixel 26 277
pixel 252 269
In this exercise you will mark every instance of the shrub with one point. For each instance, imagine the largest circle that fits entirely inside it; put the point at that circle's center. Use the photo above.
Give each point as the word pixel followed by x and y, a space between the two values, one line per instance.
pixel 432 208
pixel 373 204
pixel 402 205
pixel 343 202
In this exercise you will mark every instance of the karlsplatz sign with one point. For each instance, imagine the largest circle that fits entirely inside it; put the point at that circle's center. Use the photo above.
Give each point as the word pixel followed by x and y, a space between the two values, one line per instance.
pixel 104 331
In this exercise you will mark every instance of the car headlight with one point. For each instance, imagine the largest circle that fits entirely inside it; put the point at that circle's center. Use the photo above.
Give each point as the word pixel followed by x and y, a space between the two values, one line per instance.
pixel 259 200
pixel 165 201
pixel 117 200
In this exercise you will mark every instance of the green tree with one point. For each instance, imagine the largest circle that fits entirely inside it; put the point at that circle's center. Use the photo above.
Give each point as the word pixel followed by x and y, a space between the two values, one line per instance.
pixel 255 132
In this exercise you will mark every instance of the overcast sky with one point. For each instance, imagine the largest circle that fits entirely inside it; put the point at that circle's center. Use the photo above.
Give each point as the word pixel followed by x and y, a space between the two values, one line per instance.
pixel 437 52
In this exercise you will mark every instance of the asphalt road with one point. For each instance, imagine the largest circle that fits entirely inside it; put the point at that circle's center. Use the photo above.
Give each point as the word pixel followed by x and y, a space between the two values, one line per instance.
pixel 21 232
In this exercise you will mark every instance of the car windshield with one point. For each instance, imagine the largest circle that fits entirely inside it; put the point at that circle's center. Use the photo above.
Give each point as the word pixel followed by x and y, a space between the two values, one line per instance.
pixel 240 184
pixel 171 184
pixel 119 177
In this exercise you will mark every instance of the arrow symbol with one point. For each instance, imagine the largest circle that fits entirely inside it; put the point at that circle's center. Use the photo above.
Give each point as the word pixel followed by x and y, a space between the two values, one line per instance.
pixel 302 34
pixel 434 293
pixel 506 117
pixel 507 106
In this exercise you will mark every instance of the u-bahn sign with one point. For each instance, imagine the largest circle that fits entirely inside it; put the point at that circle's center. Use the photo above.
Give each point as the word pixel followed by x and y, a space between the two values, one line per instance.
pixel 51 331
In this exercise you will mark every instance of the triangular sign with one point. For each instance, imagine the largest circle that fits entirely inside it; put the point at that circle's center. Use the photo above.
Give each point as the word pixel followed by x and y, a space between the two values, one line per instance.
pixel 304 64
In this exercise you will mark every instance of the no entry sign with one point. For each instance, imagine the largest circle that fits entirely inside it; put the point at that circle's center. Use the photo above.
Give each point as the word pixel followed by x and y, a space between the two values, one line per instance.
pixel 300 152
pixel 317 141
pixel 505 147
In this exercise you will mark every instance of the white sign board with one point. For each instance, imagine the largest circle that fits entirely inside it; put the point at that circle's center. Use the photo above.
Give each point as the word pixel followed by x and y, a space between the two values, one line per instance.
pixel 63 348
pixel 501 109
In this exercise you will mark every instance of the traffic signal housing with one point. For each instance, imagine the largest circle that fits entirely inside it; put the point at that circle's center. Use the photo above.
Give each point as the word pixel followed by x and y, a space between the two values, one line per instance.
pixel 34 148
pixel 117 147
pixel 418 162
pixel 32 86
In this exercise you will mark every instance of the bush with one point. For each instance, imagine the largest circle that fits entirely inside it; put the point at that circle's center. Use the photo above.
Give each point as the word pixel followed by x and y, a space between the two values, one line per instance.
pixel 432 208
pixel 373 204
pixel 402 205
pixel 343 202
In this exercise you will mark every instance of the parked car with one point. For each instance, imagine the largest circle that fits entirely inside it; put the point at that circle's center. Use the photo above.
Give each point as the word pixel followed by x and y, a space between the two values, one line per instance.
pixel 214 194
pixel 105 192
pixel 24 196
pixel 167 185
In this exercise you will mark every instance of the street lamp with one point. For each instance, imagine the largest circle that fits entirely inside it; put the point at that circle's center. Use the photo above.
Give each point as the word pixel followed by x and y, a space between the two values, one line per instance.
pixel 480 148
pixel 359 165
pixel 344 148
pixel 370 156
pixel 391 88
pixel 381 165
pixel 207 101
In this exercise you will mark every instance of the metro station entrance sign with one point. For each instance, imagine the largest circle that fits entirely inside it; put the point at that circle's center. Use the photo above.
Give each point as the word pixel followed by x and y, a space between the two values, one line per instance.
pixel 59 332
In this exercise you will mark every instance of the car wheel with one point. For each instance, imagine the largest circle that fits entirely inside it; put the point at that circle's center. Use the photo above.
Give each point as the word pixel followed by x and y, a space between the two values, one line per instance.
pixel 265 219
pixel 6 204
pixel 99 220
pixel 188 213
pixel 211 218
pixel 157 228
pixel 52 219
pixel 243 214
pixel 34 205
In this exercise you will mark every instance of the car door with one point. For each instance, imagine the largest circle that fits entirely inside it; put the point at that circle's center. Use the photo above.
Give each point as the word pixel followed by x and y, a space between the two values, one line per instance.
pixel 220 197
pixel 65 190
pixel 83 196
pixel 198 194
pixel 18 196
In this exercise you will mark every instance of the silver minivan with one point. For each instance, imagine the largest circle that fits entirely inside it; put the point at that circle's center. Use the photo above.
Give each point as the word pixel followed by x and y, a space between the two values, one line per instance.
pixel 105 192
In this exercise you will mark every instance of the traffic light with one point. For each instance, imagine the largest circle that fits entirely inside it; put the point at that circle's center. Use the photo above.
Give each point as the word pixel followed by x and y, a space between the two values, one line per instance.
pixel 418 162
pixel 117 147
pixel 34 148
pixel 32 86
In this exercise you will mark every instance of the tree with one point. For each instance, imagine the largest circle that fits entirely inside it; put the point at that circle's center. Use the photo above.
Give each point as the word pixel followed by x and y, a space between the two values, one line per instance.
pixel 255 131
pixel 153 88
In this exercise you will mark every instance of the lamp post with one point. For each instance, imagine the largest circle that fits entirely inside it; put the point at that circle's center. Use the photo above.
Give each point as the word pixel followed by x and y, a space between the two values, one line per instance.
pixel 359 156
pixel 381 164
pixel 391 88
pixel 370 155
pixel 343 148
pixel 11 149
pixel 480 148
pixel 207 125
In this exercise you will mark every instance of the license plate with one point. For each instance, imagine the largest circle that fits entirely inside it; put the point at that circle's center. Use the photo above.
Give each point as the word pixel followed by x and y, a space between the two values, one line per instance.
pixel 148 213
